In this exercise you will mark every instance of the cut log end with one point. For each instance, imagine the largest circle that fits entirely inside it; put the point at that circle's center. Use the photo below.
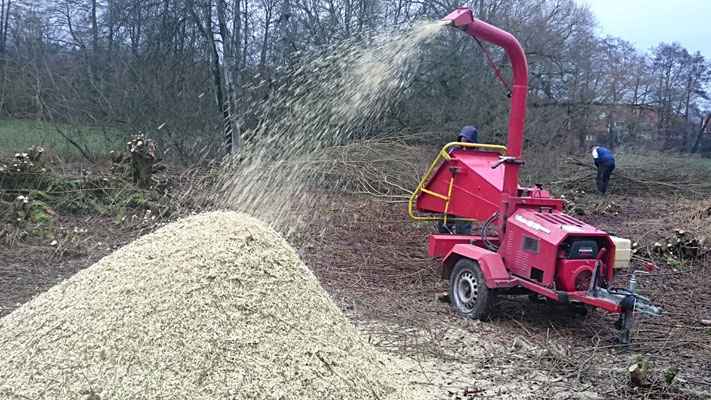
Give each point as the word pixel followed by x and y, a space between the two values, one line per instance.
pixel 637 375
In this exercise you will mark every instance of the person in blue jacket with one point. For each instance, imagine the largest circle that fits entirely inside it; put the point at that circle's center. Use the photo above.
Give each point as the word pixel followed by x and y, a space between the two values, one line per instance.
pixel 604 163
pixel 468 134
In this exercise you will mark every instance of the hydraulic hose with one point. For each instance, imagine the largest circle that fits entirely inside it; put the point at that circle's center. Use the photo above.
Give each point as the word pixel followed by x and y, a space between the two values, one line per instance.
pixel 484 238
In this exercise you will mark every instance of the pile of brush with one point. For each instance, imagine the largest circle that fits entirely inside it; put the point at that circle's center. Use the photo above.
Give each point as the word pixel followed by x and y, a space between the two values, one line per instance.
pixel 637 177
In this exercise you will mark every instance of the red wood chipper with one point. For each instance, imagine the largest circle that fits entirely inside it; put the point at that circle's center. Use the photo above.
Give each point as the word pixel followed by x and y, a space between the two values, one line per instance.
pixel 538 249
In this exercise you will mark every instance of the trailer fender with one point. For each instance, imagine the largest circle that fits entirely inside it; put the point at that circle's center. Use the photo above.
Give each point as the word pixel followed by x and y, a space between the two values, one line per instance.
pixel 491 264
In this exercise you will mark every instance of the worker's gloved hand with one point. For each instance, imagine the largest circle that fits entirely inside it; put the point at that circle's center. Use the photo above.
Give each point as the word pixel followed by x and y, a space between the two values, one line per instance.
pixel 597 169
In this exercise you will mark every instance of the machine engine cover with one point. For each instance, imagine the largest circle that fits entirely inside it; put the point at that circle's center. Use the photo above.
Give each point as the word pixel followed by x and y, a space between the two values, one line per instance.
pixel 582 250
pixel 574 275
pixel 539 239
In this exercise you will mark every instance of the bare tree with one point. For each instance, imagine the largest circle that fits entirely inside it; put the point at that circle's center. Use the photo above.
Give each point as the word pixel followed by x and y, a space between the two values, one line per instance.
pixel 4 23
pixel 282 58
pixel 704 125
pixel 194 68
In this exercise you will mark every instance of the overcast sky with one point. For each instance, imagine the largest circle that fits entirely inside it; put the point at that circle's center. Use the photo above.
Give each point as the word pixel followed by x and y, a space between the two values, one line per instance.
pixel 645 23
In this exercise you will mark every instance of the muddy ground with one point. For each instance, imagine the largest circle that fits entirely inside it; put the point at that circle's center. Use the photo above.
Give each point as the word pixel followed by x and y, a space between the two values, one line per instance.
pixel 372 260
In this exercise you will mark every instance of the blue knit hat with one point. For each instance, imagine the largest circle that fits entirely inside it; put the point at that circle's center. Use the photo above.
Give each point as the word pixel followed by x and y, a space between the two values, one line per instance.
pixel 470 133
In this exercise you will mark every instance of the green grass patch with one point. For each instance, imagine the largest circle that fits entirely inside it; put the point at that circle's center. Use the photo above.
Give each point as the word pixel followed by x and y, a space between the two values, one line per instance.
pixel 40 233
pixel 39 213
pixel 137 201
pixel 18 135
pixel 39 195
pixel 98 208
pixel 668 159
pixel 675 263
pixel 72 206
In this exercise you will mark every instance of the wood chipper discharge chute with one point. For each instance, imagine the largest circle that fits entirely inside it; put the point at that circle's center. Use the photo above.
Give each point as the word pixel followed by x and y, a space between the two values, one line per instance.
pixel 538 249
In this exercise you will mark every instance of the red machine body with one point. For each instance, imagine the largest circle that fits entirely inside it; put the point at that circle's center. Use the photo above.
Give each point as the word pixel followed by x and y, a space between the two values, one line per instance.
pixel 480 186
pixel 538 247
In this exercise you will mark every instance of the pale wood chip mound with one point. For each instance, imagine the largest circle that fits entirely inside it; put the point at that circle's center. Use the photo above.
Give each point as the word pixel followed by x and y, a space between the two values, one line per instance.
pixel 214 306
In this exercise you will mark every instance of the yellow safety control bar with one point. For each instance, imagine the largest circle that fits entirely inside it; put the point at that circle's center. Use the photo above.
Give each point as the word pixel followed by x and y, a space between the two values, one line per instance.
pixel 443 154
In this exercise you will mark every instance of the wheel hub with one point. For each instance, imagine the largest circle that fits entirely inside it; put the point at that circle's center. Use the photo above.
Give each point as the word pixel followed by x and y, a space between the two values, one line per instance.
pixel 467 290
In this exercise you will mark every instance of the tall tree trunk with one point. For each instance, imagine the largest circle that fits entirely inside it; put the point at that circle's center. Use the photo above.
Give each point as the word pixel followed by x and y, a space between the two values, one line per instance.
pixel 136 37
pixel 347 15
pixel 166 28
pixel 611 130
pixel 687 101
pixel 2 25
pixel 230 48
pixel 206 31
pixel 5 26
pixel 704 125
pixel 245 36
pixel 265 43
pixel 94 28
pixel 111 26
pixel 281 52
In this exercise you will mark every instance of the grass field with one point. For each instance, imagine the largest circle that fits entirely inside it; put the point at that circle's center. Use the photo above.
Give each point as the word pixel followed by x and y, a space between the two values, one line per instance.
pixel 668 159
pixel 18 135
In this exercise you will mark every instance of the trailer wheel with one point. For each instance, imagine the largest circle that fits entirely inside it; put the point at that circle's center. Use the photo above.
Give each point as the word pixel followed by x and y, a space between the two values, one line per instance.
pixel 468 292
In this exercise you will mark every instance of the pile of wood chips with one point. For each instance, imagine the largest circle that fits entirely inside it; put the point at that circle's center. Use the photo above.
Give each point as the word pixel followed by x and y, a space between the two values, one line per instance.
pixel 213 306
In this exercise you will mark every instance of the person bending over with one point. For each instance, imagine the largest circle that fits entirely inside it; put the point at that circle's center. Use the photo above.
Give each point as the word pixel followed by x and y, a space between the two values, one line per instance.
pixel 604 163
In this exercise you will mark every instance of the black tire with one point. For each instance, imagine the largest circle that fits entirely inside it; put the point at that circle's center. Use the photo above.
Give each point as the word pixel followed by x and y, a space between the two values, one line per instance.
pixel 468 293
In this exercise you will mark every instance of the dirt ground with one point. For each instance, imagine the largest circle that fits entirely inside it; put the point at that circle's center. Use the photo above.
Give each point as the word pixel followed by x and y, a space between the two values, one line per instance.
pixel 372 260
pixel 31 267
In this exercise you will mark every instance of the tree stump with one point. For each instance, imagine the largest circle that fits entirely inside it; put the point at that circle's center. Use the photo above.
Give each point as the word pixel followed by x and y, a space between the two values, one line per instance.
pixel 668 375
pixel 34 153
pixel 639 369
pixel 143 156
pixel 116 157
